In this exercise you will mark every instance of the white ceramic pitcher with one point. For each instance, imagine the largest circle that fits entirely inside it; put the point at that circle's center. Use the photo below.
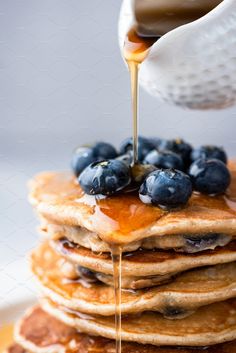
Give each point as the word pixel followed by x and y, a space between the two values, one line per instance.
pixel 193 65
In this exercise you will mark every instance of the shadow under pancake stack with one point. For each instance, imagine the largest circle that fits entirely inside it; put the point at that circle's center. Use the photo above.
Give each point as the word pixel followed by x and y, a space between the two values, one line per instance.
pixel 178 278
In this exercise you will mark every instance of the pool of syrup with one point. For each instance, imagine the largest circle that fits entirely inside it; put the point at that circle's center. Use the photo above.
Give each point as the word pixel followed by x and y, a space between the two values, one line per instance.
pixel 120 216
pixel 6 337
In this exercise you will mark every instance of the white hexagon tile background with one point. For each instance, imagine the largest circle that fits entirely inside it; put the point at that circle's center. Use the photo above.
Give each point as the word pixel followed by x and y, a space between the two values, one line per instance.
pixel 63 83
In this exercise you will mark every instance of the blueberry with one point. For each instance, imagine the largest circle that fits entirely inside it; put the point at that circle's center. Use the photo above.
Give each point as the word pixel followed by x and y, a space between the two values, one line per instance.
pixel 172 312
pixel 210 176
pixel 167 188
pixel 165 145
pixel 85 155
pixel 178 146
pixel 126 158
pixel 165 159
pixel 82 157
pixel 105 177
pixel 104 150
pixel 87 274
pixel 144 146
pixel 209 152
pixel 195 243
pixel 156 141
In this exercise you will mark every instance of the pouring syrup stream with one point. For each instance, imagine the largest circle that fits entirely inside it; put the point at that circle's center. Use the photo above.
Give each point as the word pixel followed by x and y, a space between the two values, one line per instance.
pixel 135 51
pixel 134 68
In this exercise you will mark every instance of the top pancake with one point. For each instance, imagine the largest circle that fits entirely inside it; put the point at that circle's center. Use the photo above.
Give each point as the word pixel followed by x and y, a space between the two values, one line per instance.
pixel 123 218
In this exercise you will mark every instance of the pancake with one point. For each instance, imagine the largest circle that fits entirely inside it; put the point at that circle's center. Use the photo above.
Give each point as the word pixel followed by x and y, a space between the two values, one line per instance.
pixel 127 282
pixel 56 337
pixel 212 324
pixel 123 218
pixel 15 348
pixel 181 242
pixel 177 299
pixel 143 262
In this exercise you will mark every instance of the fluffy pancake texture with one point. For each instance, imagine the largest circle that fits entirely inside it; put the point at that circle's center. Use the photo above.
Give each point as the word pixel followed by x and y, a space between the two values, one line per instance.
pixel 184 294
pixel 144 262
pixel 58 337
pixel 212 324
pixel 180 242
pixel 124 218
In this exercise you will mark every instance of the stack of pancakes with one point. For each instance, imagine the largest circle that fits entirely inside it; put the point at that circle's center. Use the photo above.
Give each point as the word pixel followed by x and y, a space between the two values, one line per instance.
pixel 178 273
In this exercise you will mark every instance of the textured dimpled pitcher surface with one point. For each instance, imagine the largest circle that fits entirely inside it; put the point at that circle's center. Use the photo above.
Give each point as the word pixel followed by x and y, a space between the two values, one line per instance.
pixel 193 65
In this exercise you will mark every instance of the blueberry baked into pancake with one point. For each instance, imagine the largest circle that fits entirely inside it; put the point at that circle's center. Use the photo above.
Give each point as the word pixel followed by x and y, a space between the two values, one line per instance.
pixel 145 253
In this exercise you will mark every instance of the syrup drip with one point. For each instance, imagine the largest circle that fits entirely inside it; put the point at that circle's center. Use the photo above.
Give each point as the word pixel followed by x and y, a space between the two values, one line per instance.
pixel 135 51
pixel 116 253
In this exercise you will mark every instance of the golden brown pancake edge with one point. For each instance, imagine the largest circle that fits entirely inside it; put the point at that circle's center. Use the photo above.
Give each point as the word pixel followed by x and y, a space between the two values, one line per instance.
pixel 29 333
pixel 124 218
